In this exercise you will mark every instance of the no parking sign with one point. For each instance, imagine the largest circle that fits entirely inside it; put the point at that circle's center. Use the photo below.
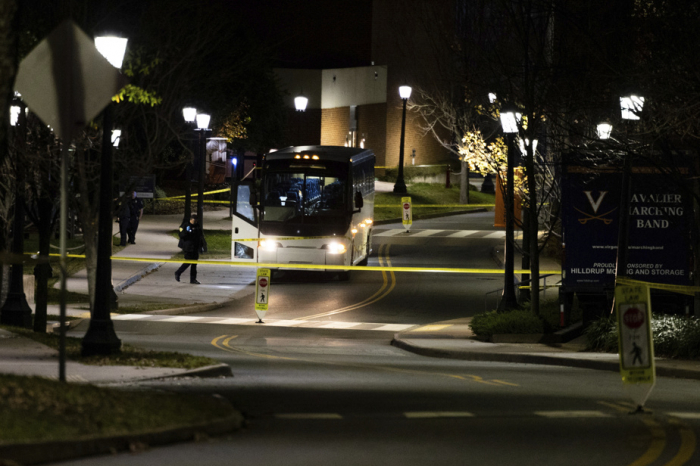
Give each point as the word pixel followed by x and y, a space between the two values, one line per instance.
pixel 262 292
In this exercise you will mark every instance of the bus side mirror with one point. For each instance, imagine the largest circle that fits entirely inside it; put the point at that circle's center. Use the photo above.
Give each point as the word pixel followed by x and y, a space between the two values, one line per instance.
pixel 359 202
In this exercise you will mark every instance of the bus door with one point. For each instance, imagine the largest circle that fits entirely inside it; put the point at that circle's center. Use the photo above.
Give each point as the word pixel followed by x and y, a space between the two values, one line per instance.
pixel 244 231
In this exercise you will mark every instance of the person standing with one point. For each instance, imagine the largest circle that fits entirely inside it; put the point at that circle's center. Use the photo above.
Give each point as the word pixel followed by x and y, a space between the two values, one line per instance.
pixel 124 217
pixel 135 213
pixel 192 242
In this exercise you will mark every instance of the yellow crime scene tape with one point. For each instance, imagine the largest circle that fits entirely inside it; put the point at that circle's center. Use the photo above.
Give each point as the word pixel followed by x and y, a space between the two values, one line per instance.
pixel 315 266
pixel 173 198
pixel 688 290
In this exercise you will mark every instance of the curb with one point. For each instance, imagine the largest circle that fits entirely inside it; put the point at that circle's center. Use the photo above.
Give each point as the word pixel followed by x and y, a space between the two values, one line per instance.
pixel 529 358
pixel 215 370
pixel 191 309
pixel 138 276
pixel 44 452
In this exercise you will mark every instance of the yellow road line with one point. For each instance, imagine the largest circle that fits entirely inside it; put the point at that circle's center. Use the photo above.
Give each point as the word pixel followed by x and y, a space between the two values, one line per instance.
pixel 225 346
pixel 369 300
pixel 658 443
pixel 687 448
pixel 503 382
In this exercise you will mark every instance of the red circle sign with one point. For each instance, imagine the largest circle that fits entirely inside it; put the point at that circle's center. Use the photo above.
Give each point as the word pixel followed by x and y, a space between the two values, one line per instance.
pixel 633 318
pixel 406 206
pixel 263 282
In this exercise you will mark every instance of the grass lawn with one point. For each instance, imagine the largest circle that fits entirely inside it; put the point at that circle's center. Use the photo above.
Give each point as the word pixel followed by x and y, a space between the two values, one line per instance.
pixel 426 193
pixel 129 355
pixel 35 408
pixel 218 244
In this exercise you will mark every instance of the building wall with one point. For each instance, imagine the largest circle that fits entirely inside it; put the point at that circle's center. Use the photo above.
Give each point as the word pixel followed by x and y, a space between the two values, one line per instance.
pixel 371 125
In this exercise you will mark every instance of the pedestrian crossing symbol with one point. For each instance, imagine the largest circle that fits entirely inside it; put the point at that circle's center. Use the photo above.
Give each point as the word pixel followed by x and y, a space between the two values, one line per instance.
pixel 407 215
pixel 262 291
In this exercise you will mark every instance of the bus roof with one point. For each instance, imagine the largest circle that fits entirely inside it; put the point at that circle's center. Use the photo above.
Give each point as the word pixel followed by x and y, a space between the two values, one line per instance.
pixel 334 153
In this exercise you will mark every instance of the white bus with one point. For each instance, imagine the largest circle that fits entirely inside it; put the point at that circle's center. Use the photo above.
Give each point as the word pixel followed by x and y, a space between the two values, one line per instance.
pixel 314 205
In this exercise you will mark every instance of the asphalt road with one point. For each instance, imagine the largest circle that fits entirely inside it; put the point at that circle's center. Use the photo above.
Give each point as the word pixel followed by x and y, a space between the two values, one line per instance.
pixel 330 394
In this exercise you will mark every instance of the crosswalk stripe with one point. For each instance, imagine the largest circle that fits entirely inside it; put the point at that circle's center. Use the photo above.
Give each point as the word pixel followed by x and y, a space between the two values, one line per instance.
pixel 496 234
pixel 462 233
pixel 427 233
pixel 389 232
pixel 570 414
pixel 340 325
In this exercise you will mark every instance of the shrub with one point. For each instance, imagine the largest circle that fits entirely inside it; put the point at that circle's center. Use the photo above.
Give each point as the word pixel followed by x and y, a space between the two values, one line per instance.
pixel 517 321
pixel 674 336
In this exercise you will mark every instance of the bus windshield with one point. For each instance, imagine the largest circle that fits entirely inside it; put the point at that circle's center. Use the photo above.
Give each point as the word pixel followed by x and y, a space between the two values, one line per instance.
pixel 307 194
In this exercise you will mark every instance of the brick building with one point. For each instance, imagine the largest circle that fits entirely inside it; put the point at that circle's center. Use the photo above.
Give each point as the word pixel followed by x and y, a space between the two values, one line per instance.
pixel 357 103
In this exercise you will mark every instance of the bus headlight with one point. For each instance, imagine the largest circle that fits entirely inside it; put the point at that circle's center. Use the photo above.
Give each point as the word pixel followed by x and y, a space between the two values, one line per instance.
pixel 336 248
pixel 268 245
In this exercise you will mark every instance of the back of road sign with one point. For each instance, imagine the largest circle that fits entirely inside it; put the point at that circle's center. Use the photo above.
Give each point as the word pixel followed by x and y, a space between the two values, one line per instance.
pixel 633 307
pixel 407 215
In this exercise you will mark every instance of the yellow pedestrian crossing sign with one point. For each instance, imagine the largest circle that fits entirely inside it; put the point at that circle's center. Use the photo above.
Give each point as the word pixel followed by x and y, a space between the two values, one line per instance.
pixel 633 307
pixel 262 292
pixel 407 215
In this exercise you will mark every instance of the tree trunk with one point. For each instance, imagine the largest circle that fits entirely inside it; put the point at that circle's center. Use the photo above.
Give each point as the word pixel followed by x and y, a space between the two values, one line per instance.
pixel 464 184
pixel 534 230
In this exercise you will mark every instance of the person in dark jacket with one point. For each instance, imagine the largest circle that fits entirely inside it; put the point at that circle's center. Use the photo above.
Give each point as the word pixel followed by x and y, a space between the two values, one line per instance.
pixel 124 219
pixel 192 242
pixel 135 214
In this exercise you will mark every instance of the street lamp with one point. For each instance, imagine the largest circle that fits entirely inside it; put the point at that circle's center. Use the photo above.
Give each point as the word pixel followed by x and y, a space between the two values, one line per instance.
pixel 400 185
pixel 202 126
pixel 16 311
pixel 300 103
pixel 604 130
pixel 190 115
pixel 100 337
pixel 630 109
pixel 510 128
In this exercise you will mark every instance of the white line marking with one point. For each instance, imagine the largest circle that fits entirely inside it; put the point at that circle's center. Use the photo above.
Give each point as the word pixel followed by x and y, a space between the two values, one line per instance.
pixel 130 316
pixel 339 325
pixel 685 415
pixel 181 319
pixel 309 416
pixel 570 414
pixel 427 233
pixel 283 323
pixel 496 234
pixel 388 233
pixel 463 233
pixel 233 321
pixel 393 327
pixel 436 414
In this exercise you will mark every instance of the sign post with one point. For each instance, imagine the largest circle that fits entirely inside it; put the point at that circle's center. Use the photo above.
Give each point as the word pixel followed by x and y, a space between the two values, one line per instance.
pixel 633 307
pixel 262 293
pixel 407 217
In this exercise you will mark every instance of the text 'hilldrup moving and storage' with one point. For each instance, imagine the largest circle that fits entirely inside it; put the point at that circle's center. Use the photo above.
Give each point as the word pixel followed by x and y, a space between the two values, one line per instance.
pixel 659 234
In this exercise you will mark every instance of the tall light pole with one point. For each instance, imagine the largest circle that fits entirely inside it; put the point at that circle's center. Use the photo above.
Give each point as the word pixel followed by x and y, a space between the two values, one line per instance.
pixel 190 115
pixel 509 300
pixel 630 110
pixel 16 310
pixel 202 126
pixel 400 185
pixel 100 337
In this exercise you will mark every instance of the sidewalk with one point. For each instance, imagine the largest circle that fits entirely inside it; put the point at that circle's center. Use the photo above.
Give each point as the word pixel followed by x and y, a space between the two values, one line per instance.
pixel 455 340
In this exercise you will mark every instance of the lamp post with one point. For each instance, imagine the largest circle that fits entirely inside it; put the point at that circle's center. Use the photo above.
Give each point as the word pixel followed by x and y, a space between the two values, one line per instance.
pixel 202 127
pixel 190 115
pixel 526 293
pixel 630 109
pixel 400 185
pixel 509 300
pixel 100 337
pixel 16 311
